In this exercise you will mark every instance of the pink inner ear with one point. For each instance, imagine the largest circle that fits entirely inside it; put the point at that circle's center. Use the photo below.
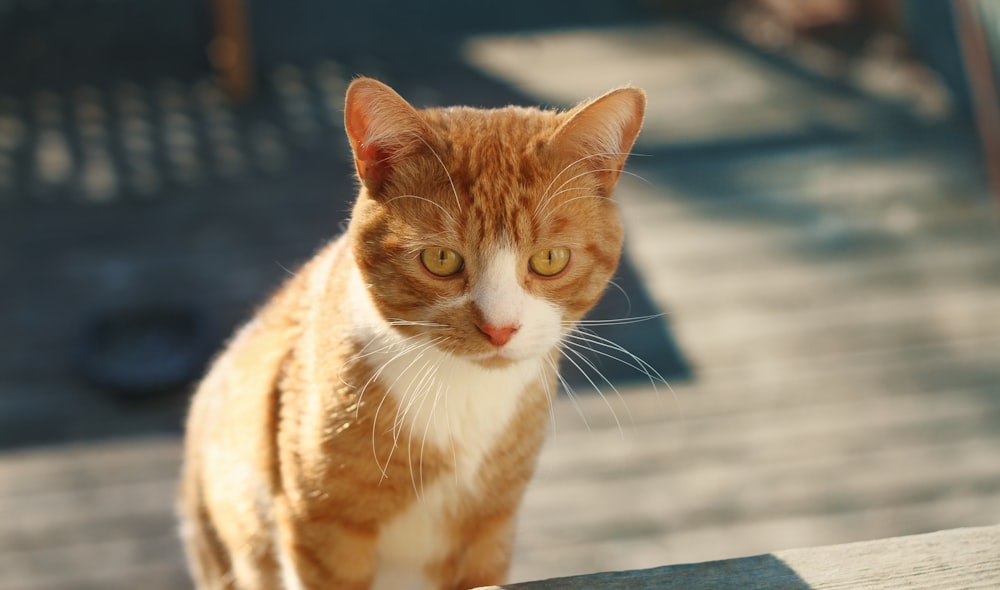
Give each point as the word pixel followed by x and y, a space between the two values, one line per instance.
pixel 366 160
pixel 356 123
pixel 379 125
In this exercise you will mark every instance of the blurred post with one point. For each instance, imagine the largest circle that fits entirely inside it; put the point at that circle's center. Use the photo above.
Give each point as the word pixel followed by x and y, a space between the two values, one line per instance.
pixel 985 102
pixel 229 50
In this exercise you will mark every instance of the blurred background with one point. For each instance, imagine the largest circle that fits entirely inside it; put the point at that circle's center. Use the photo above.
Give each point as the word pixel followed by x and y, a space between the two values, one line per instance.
pixel 812 224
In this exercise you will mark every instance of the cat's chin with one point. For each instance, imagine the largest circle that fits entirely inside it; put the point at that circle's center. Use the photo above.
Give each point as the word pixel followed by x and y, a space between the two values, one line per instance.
pixel 496 361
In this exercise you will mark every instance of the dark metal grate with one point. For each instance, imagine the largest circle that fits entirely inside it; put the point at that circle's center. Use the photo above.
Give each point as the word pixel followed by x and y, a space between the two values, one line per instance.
pixel 131 141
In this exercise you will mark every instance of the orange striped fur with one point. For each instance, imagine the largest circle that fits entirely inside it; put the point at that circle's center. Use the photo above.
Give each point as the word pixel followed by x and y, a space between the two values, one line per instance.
pixel 375 425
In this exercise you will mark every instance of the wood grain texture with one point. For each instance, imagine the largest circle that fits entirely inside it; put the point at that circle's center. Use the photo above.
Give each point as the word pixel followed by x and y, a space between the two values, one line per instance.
pixel 960 558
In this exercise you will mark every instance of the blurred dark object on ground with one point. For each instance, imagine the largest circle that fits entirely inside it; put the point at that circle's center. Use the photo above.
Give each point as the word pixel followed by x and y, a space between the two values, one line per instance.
pixel 145 351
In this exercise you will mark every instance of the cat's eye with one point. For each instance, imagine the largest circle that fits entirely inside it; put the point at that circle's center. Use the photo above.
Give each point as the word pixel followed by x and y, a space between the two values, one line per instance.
pixel 549 262
pixel 442 262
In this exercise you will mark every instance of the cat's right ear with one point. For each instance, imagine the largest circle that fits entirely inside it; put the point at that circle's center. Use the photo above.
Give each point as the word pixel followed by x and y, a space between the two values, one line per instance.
pixel 381 126
pixel 600 133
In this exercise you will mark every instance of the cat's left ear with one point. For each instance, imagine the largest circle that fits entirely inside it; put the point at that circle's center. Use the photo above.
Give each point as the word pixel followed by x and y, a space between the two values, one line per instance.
pixel 382 128
pixel 600 133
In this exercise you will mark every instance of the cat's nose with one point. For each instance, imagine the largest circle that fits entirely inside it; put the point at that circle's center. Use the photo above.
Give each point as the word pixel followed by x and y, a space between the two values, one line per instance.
pixel 498 335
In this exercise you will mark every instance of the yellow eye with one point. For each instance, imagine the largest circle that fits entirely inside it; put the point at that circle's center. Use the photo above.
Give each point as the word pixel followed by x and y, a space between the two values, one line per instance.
pixel 549 262
pixel 442 262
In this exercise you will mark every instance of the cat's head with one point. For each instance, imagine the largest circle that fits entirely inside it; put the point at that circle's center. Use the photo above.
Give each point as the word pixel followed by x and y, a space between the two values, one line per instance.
pixel 490 231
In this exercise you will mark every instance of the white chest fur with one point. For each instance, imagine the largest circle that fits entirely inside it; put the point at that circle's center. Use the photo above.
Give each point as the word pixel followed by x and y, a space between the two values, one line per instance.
pixel 463 414
pixel 446 403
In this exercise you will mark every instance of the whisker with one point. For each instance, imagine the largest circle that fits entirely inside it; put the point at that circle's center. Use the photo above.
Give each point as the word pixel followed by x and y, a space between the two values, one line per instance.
pixel 451 439
pixel 389 346
pixel 574 188
pixel 615 321
pixel 593 367
pixel 415 390
pixel 426 200
pixel 413 383
pixel 589 337
pixel 458 201
pixel 594 385
pixel 628 300
pixel 545 193
pixel 583 335
pixel 422 347
pixel 636 176
pixel 569 392
pixel 548 214
pixel 544 204
pixel 415 386
pixel 284 268
pixel 422 395
pixel 361 355
pixel 383 468
pixel 427 425
pixel 548 396
pixel 580 342
pixel 417 245
pixel 424 324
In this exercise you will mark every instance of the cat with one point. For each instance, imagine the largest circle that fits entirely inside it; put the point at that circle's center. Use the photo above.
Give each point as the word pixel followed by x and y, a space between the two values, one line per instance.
pixel 376 423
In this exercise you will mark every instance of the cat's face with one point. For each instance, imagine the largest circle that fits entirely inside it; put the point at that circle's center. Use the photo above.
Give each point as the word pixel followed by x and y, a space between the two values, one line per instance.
pixel 489 232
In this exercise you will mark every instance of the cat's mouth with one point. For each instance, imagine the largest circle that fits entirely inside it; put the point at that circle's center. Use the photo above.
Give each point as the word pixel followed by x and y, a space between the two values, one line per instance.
pixel 498 358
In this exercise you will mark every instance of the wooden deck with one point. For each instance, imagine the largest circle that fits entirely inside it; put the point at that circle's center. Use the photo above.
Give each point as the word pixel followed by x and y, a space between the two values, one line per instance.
pixel 838 300
pixel 962 558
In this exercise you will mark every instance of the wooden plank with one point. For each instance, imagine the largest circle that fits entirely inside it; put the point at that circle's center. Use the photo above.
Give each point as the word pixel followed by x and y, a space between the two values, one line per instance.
pixel 29 473
pixel 695 266
pixel 893 325
pixel 935 370
pixel 153 563
pixel 634 550
pixel 962 558
pixel 707 483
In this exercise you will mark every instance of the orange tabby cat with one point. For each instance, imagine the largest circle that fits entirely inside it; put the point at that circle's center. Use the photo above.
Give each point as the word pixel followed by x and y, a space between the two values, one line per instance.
pixel 375 425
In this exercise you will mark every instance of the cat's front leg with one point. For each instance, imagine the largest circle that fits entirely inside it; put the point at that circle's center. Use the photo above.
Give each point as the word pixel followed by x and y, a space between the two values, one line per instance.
pixel 315 553
pixel 486 552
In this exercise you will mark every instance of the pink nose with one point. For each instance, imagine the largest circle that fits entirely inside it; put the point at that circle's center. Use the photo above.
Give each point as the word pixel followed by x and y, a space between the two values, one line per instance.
pixel 498 335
